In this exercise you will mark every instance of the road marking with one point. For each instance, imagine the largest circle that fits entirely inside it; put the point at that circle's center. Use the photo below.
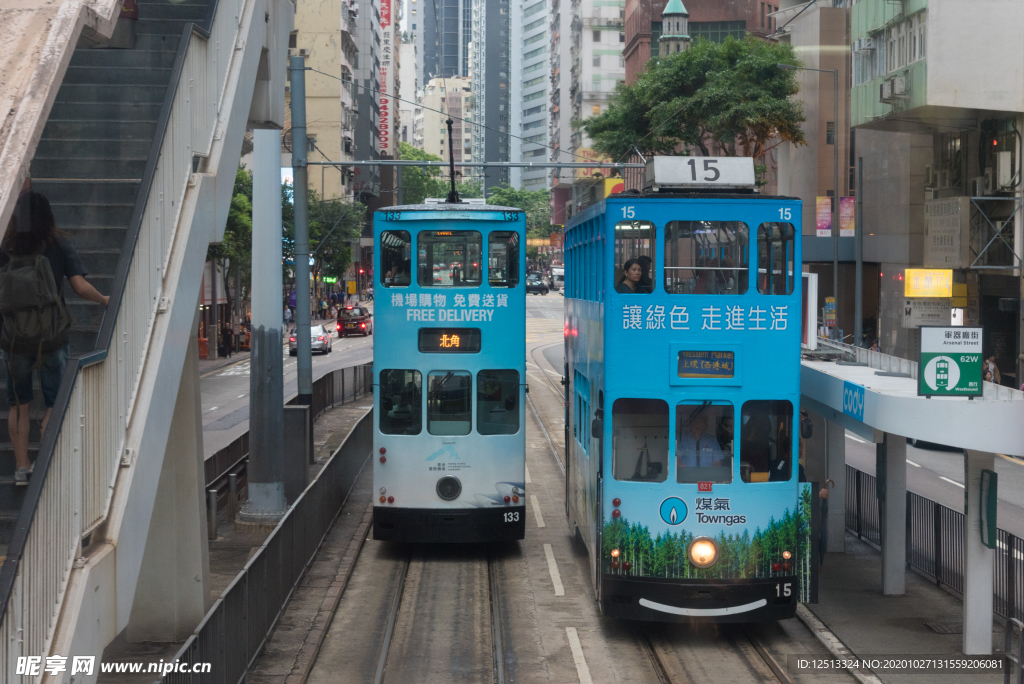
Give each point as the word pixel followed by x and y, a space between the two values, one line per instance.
pixel 858 439
pixel 556 579
pixel 212 408
pixel 528 480
pixel 537 516
pixel 912 463
pixel 582 671
pixel 239 396
pixel 951 481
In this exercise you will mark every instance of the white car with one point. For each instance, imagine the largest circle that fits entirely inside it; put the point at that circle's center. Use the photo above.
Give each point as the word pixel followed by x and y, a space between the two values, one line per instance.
pixel 319 340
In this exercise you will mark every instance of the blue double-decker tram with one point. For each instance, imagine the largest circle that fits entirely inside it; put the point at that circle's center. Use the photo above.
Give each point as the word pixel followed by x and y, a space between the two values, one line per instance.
pixel 682 350
pixel 449 372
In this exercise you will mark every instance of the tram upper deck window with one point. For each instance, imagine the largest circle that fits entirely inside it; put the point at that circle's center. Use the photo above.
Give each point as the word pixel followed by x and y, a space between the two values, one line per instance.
pixel 395 258
pixel 449 403
pixel 449 258
pixel 503 258
pixel 704 435
pixel 766 441
pixel 775 243
pixel 497 402
pixel 706 257
pixel 634 257
pixel 640 440
pixel 401 402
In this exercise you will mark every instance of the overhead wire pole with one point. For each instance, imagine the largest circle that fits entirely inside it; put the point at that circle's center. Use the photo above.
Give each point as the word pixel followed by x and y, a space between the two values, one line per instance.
pixel 300 197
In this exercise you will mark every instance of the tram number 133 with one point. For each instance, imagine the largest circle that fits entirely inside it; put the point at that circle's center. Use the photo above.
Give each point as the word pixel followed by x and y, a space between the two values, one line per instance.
pixel 784 589
pixel 513 516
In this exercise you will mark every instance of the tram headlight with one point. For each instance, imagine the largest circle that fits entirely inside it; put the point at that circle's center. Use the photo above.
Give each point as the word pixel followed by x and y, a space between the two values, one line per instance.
pixel 703 552
pixel 449 488
pixel 787 555
pixel 615 553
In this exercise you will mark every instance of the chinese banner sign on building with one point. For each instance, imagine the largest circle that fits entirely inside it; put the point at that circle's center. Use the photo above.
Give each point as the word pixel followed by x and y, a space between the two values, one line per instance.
pixel 823 216
pixel 847 216
pixel 387 77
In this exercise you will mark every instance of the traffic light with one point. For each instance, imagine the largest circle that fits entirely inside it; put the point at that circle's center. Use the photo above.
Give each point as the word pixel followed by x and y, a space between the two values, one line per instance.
pixel 361 271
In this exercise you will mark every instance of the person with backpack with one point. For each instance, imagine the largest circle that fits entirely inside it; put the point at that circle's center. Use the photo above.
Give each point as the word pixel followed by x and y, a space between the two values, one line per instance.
pixel 35 259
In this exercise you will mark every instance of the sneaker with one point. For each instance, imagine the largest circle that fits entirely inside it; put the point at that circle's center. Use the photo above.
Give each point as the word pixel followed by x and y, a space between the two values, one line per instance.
pixel 21 477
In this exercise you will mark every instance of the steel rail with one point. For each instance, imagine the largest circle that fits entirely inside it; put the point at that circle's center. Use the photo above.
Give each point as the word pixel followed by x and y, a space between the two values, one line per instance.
pixel 497 636
pixel 389 632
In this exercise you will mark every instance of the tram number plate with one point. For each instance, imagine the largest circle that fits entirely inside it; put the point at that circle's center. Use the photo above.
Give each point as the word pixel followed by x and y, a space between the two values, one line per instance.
pixel 513 516
pixel 784 589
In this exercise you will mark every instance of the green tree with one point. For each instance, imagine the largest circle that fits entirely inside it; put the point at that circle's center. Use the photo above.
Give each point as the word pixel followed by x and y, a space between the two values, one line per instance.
pixel 234 253
pixel 536 204
pixel 731 94
pixel 420 182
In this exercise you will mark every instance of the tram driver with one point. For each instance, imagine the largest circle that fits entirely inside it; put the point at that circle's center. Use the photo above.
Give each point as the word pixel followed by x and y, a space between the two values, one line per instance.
pixel 697 448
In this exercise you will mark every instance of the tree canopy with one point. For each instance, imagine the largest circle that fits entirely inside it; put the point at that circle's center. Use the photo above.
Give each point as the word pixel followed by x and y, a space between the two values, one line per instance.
pixel 333 224
pixel 418 183
pixel 731 94
pixel 536 204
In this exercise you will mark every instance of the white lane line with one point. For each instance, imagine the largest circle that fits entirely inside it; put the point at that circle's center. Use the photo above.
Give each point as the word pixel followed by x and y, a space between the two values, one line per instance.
pixel 913 464
pixel 556 579
pixel 528 480
pixel 582 671
pixel 858 439
pixel 212 408
pixel 537 516
pixel 951 481
pixel 239 396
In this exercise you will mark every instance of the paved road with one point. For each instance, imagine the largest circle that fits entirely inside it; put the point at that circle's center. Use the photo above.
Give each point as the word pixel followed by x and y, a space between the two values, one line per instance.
pixel 225 392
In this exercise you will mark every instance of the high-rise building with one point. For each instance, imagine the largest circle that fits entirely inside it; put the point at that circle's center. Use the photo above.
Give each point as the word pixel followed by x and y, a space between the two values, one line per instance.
pixel 410 87
pixel 443 30
pixel 491 88
pixel 560 105
pixel 441 98
pixel 366 140
pixel 531 69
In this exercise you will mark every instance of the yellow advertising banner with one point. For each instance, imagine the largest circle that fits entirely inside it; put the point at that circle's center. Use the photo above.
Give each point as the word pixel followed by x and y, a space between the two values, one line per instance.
pixel 928 282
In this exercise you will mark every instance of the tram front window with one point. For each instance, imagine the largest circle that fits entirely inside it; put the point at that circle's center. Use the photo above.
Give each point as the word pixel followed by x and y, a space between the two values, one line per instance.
pixel 449 403
pixel 449 258
pixel 706 257
pixel 704 436
pixel 497 402
pixel 766 441
pixel 503 258
pixel 395 258
pixel 775 258
pixel 634 257
pixel 640 440
pixel 401 401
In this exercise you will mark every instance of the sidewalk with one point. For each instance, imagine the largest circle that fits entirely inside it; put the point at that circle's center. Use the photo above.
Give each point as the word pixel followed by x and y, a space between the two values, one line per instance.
pixel 851 604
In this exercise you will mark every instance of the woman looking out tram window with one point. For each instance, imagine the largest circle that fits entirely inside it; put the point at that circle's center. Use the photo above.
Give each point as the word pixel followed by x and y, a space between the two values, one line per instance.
pixel 631 282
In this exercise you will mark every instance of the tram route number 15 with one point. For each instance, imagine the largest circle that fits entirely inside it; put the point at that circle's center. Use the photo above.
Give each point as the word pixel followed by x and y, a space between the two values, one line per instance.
pixel 784 589
pixel 512 516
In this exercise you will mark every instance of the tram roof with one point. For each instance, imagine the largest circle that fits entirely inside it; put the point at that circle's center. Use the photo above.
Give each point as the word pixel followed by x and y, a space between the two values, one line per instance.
pixel 443 206
pixel 698 195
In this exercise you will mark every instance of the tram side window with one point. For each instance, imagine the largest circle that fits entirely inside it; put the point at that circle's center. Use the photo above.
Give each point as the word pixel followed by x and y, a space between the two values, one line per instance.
pixel 706 257
pixel 640 440
pixel 401 401
pixel 449 402
pixel 395 258
pixel 449 258
pixel 766 441
pixel 775 243
pixel 503 258
pixel 497 402
pixel 634 257
pixel 704 435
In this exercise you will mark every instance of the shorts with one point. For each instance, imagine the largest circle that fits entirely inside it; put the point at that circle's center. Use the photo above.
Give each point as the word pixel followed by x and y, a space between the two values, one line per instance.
pixel 19 376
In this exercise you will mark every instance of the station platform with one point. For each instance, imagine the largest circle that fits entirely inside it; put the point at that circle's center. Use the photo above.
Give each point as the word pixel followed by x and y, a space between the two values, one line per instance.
pixel 851 604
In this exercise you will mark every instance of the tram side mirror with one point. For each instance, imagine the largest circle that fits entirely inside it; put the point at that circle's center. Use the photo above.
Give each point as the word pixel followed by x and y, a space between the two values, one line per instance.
pixel 806 428
pixel 597 428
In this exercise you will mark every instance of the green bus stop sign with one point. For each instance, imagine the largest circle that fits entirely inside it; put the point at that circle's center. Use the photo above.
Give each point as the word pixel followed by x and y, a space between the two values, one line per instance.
pixel 950 363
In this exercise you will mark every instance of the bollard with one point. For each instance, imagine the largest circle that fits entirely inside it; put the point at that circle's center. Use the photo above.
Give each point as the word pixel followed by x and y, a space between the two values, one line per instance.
pixel 211 515
pixel 232 496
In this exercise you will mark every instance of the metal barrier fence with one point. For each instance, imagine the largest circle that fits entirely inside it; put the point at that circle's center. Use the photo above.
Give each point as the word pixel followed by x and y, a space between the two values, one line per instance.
pixel 935 542
pixel 235 629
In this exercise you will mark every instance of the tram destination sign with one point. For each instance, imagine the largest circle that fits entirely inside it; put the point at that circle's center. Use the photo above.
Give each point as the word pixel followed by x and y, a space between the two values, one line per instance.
pixel 449 340
pixel 706 364
pixel 950 363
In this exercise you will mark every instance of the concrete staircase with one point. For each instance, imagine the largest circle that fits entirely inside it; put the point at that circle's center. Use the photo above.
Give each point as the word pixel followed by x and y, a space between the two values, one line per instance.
pixel 89 163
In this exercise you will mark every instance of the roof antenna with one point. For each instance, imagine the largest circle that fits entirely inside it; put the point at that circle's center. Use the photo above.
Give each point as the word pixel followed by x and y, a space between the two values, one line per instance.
pixel 453 196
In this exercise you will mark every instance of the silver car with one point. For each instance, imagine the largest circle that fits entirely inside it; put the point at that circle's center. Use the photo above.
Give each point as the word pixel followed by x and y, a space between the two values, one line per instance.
pixel 319 340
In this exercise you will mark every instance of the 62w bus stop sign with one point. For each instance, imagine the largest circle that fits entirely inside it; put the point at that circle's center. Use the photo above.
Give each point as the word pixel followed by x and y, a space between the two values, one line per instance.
pixel 950 363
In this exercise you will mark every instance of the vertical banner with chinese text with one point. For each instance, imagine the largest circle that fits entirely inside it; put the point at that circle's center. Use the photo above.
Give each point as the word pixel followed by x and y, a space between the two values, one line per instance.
pixel 387 77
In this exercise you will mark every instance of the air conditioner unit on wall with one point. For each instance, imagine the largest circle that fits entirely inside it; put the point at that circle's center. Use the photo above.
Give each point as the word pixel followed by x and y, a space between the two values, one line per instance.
pixel 899 86
pixel 885 91
pixel 931 194
pixel 929 176
pixel 989 181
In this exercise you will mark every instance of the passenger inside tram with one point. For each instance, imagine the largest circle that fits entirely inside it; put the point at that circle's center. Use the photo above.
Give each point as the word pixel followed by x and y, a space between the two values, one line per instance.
pixel 631 275
pixel 640 436
pixel 766 441
pixel 700 455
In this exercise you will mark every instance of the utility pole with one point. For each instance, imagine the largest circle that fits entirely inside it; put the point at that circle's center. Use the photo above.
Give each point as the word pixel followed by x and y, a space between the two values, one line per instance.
pixel 300 195
pixel 266 504
pixel 858 249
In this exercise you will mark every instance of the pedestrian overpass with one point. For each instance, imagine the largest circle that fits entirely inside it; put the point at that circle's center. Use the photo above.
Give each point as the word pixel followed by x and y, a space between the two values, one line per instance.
pixel 875 396
pixel 132 126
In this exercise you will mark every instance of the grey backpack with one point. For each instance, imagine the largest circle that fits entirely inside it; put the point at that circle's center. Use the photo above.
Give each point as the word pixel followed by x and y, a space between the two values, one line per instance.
pixel 35 319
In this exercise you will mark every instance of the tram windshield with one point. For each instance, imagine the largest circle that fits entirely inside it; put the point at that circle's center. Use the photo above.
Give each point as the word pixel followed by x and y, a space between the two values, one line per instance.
pixel 634 257
pixel 449 403
pixel 497 402
pixel 503 258
pixel 706 257
pixel 401 399
pixel 766 441
pixel 395 258
pixel 449 258
pixel 704 437
pixel 775 258
pixel 640 440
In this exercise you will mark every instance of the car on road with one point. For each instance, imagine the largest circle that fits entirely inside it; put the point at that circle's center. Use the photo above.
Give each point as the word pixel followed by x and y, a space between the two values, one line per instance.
pixel 355 320
pixel 319 340
pixel 535 285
